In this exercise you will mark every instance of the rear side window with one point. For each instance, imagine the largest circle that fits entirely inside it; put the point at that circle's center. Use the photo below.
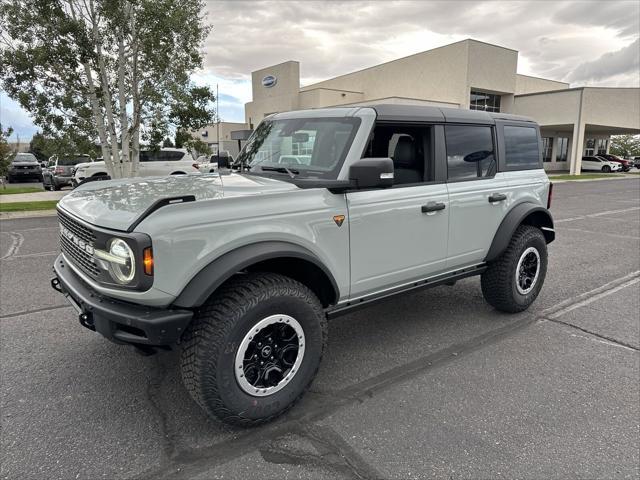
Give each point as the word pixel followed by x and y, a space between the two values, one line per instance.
pixel 470 152
pixel 160 156
pixel 521 147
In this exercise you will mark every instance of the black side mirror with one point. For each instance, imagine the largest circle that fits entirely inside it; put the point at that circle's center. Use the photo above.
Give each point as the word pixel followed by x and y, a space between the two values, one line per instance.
pixel 372 173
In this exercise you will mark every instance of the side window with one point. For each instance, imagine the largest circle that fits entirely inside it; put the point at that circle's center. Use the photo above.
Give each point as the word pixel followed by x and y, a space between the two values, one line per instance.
pixel 171 156
pixel 409 148
pixel 521 147
pixel 470 152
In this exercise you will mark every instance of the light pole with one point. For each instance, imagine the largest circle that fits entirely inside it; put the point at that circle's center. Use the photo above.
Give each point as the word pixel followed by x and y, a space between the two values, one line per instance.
pixel 218 118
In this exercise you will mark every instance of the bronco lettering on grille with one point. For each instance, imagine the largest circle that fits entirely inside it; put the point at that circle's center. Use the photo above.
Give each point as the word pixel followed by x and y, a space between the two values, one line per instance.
pixel 77 241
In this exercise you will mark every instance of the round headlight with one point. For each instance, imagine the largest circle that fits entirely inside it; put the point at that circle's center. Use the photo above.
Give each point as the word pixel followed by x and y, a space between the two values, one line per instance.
pixel 125 271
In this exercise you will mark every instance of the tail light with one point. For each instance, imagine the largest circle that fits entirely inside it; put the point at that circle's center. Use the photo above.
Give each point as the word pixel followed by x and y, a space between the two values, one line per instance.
pixel 549 195
pixel 58 170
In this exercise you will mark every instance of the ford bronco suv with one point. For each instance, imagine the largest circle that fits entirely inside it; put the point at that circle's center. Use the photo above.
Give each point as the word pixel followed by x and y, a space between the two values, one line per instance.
pixel 324 211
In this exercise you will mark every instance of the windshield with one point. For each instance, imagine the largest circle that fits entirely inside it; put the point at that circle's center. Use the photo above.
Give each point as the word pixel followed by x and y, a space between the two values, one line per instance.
pixel 67 161
pixel 24 157
pixel 309 147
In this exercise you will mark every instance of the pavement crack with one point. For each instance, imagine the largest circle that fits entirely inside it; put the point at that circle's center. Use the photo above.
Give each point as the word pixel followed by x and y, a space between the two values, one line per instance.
pixel 16 242
pixel 167 437
pixel 35 310
pixel 598 335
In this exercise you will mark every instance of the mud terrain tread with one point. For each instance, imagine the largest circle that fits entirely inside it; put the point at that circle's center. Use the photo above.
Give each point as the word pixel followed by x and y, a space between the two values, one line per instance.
pixel 496 281
pixel 206 335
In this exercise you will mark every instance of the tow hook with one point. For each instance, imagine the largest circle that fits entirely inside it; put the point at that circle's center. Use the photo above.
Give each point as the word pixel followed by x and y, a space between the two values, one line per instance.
pixel 86 320
pixel 55 284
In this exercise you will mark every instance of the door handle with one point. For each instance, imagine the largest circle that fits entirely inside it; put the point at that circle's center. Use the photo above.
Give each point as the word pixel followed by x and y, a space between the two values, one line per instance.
pixel 433 207
pixel 497 197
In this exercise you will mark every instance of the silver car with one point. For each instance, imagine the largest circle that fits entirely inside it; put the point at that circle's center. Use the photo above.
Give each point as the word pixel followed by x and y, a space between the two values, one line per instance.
pixel 327 211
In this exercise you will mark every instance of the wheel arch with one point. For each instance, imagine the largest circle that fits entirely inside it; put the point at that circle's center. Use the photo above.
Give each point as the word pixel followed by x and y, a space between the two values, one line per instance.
pixel 522 214
pixel 285 258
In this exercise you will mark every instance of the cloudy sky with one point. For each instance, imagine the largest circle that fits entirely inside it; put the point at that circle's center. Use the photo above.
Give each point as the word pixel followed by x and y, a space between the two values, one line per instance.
pixel 585 43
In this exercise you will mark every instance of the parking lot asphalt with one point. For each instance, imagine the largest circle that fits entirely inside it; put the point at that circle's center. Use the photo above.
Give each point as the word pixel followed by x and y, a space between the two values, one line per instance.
pixel 432 384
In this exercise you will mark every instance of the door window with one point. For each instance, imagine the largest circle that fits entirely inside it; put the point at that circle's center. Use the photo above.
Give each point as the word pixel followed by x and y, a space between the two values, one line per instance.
pixel 409 148
pixel 547 146
pixel 521 147
pixel 470 152
pixel 563 149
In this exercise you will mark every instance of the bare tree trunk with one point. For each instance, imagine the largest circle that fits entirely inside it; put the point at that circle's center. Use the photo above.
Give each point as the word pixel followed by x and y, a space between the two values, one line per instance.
pixel 137 107
pixel 106 98
pixel 95 108
pixel 124 123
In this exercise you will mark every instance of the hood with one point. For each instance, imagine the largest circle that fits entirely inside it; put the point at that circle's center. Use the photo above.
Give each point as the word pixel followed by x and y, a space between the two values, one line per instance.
pixel 118 204
pixel 25 164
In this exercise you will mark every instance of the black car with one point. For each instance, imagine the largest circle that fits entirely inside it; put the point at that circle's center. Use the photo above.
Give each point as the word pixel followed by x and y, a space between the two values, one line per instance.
pixel 24 166
pixel 59 172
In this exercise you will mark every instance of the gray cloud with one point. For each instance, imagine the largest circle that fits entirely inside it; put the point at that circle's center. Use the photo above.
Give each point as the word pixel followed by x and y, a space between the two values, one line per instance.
pixel 625 61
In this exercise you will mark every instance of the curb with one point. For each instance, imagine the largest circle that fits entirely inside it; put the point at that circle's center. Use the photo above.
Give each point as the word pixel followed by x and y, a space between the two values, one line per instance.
pixel 593 179
pixel 27 214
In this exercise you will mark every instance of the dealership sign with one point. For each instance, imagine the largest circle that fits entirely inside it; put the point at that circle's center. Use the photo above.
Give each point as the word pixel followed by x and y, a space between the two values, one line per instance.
pixel 269 81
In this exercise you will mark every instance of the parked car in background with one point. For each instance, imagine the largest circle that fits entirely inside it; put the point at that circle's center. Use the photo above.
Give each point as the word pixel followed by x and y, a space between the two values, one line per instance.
pixel 59 171
pixel 636 162
pixel 209 164
pixel 24 166
pixel 626 164
pixel 598 164
pixel 166 161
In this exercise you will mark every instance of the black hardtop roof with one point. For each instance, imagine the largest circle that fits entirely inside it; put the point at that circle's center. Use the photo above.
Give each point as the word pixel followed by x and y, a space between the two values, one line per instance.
pixel 427 113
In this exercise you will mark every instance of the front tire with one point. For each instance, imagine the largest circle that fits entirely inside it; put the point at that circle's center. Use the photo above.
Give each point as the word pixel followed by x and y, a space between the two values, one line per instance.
pixel 606 169
pixel 513 281
pixel 267 326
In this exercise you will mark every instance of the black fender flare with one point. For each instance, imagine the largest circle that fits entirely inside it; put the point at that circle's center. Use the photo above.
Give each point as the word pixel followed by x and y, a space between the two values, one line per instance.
pixel 207 280
pixel 528 213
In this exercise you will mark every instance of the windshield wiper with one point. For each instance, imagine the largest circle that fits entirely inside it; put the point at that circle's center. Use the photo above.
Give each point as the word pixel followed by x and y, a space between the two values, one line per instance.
pixel 292 173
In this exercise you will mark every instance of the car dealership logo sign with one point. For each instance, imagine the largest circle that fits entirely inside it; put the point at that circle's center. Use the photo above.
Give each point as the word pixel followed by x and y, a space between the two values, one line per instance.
pixel 269 81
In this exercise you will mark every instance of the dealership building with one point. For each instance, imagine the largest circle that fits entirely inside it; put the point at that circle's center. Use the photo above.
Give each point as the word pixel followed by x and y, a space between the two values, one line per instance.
pixel 468 74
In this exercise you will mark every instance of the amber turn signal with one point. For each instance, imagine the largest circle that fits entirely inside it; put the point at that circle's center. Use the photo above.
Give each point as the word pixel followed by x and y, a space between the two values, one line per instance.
pixel 147 260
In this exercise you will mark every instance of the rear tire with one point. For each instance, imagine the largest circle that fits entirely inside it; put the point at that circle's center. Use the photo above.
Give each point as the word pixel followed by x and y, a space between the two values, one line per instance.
pixel 513 281
pixel 218 348
pixel 606 169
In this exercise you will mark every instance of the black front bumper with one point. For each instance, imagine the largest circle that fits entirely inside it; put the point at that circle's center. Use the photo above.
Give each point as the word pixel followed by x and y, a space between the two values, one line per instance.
pixel 119 321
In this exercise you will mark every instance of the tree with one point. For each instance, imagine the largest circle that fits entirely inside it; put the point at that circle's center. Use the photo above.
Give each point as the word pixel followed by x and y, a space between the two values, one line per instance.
pixel 6 153
pixel 43 146
pixel 117 71
pixel 625 145
pixel 167 143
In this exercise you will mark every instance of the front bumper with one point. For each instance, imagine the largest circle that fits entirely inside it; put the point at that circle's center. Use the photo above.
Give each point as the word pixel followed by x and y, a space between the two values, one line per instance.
pixel 118 321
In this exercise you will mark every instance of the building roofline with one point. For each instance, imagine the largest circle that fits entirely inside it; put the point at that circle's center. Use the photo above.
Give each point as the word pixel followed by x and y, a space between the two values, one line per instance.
pixel 542 78
pixel 408 56
pixel 574 89
pixel 307 89
pixel 276 65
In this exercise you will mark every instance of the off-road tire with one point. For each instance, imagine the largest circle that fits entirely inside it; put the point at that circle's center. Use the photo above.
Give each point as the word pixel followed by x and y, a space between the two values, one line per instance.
pixel 210 344
pixel 499 280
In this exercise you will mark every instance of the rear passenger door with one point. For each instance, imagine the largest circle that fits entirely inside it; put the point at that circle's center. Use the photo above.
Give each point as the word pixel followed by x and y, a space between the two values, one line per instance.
pixel 399 235
pixel 477 192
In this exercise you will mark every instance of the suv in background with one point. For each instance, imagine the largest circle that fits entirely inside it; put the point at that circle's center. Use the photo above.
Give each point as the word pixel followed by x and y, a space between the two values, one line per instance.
pixel 59 171
pixel 626 164
pixel 209 164
pixel 166 161
pixel 24 166
pixel 597 164
pixel 388 199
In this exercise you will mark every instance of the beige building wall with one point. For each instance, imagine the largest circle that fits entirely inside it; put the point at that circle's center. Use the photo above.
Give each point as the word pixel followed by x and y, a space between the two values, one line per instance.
pixel 528 84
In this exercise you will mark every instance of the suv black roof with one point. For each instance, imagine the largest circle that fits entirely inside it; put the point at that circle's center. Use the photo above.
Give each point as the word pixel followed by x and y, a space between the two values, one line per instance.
pixel 427 113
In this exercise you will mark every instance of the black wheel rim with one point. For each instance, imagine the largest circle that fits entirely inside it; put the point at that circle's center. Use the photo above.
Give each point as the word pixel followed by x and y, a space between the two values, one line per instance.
pixel 528 270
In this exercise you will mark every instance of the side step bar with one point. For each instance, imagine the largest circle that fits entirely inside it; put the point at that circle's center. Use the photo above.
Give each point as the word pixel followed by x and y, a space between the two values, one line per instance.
pixel 446 279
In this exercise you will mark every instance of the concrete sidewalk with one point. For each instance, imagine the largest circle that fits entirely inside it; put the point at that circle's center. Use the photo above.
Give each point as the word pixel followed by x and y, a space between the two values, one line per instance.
pixel 33 197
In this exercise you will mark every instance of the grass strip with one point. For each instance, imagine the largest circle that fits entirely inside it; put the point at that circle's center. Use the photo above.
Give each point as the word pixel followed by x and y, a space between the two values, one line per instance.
pixel 14 190
pixel 28 206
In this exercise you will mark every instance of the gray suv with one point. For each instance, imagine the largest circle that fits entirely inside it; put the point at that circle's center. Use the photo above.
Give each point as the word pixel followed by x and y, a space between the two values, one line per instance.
pixel 325 211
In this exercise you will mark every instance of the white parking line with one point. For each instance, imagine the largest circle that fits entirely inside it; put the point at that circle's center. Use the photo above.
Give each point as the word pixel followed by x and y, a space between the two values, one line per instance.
pixel 599 214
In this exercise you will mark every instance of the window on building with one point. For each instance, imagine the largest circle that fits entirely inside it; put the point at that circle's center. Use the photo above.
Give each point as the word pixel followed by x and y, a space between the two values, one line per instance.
pixel 590 147
pixel 602 145
pixel 547 148
pixel 484 101
pixel 562 149
pixel 408 147
pixel 470 152
pixel 521 147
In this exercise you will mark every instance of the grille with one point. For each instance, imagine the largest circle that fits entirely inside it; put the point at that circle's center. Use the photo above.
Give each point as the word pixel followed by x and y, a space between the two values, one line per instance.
pixel 80 257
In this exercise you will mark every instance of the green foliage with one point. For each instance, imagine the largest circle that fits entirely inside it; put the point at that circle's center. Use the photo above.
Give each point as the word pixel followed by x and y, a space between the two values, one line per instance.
pixel 6 154
pixel 625 145
pixel 197 147
pixel 182 136
pixel 43 146
pixel 28 206
pixel 167 143
pixel 110 71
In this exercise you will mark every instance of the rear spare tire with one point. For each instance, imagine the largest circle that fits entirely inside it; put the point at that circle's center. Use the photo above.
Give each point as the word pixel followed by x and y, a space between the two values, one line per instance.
pixel 512 282
pixel 254 348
